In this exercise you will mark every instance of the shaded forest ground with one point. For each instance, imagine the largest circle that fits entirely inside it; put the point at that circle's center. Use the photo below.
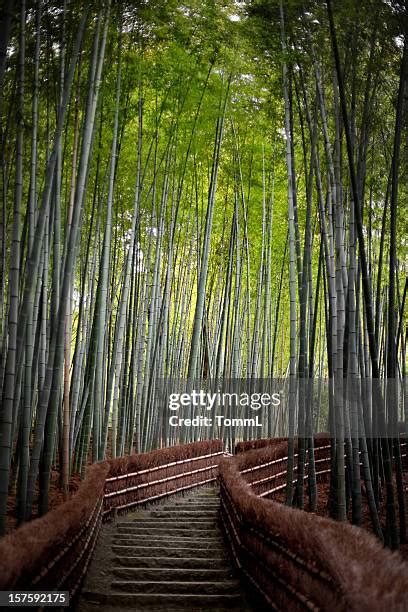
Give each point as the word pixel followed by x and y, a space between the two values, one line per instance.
pixel 56 497
pixel 323 489
pixel 56 492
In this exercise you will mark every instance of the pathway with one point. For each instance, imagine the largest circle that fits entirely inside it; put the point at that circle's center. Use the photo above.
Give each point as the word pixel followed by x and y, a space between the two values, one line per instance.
pixel 170 556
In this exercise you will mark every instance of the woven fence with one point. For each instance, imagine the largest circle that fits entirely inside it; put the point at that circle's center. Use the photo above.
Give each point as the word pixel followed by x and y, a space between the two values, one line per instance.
pixel 53 552
pixel 297 560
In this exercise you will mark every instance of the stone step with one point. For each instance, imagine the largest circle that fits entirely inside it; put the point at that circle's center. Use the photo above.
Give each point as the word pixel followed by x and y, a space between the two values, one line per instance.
pixel 184 514
pixel 204 506
pixel 167 540
pixel 208 501
pixel 167 522
pixel 192 498
pixel 196 562
pixel 173 529
pixel 175 532
pixel 175 601
pixel 89 606
pixel 164 551
pixel 209 497
pixel 176 587
pixel 158 574
pixel 182 534
pixel 166 601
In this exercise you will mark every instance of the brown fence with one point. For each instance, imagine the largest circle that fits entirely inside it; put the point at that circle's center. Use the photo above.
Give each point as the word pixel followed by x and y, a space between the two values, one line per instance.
pixel 246 445
pixel 297 560
pixel 267 474
pixel 136 479
pixel 53 552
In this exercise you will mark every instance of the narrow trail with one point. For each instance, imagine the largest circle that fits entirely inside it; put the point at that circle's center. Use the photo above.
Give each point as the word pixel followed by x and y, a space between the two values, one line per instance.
pixel 170 556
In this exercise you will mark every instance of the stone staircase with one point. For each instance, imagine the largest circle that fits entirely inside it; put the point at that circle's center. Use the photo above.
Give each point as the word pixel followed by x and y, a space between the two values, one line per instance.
pixel 169 557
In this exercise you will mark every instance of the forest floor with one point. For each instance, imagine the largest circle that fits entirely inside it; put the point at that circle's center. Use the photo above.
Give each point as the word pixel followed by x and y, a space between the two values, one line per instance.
pixel 56 497
pixel 323 490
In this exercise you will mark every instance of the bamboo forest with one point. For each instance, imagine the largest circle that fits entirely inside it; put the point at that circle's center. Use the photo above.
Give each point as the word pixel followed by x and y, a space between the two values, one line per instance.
pixel 197 195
